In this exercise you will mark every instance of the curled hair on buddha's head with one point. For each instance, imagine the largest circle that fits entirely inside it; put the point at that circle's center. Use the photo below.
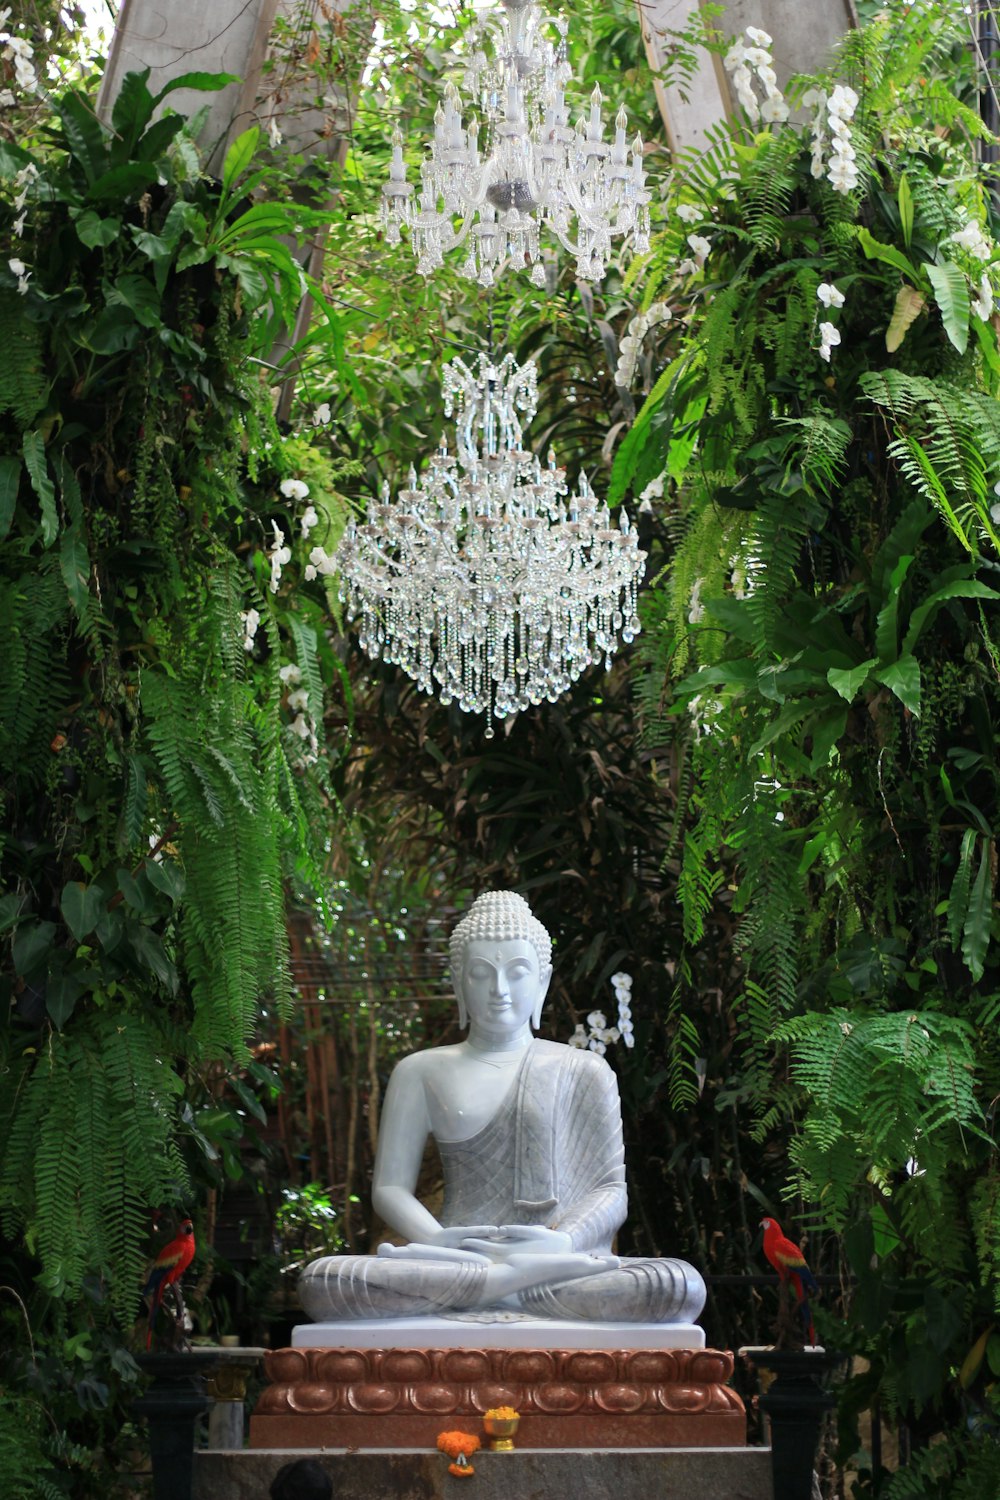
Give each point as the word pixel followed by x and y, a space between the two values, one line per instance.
pixel 493 916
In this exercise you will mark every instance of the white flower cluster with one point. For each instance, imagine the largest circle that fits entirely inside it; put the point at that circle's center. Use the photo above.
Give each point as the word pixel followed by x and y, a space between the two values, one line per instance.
pixel 622 986
pixel 628 355
pixel 294 489
pixel 738 579
pixel 829 333
pixel 982 303
pixel 696 610
pixel 971 238
pixel 251 620
pixel 597 1035
pixel 746 62
pixel 280 555
pixel 322 415
pixel 700 247
pixel 320 562
pixel 841 171
pixel 302 726
pixel 19 269
pixel 19 51
pixel 995 509
pixel 22 183
pixel 653 491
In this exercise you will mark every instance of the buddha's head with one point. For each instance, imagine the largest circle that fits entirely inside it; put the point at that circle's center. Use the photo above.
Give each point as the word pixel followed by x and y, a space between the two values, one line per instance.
pixel 501 962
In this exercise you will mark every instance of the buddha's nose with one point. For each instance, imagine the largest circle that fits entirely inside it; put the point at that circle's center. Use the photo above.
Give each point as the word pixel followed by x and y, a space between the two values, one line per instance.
pixel 500 986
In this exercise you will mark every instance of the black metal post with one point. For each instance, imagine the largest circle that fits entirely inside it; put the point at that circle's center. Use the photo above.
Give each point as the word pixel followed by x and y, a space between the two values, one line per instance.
pixel 172 1406
pixel 796 1404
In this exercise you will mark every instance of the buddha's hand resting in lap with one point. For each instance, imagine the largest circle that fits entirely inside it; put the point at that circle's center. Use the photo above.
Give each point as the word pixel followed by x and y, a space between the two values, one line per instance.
pixel 446 1244
pixel 518 1239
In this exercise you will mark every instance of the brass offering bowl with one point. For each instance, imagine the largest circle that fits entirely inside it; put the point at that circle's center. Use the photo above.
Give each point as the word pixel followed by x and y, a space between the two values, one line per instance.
pixel 500 1430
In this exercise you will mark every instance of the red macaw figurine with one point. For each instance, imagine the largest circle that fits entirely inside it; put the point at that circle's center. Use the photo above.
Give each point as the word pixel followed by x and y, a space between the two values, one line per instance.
pixel 168 1267
pixel 790 1264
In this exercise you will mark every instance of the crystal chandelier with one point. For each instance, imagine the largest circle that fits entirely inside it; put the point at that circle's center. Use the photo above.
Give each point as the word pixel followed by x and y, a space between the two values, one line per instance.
pixel 483 577
pixel 532 172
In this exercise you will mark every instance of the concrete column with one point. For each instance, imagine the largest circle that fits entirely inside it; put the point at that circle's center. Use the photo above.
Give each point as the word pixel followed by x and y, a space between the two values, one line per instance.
pixel 172 37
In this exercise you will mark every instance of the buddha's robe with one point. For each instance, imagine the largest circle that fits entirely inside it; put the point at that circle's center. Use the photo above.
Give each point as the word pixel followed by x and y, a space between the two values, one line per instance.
pixel 552 1155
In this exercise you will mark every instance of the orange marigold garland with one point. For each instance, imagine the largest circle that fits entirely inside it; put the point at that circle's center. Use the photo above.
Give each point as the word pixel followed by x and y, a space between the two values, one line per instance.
pixel 459 1446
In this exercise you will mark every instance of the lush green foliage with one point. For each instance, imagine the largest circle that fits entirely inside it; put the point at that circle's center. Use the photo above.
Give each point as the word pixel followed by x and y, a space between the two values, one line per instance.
pixel 160 779
pixel 829 635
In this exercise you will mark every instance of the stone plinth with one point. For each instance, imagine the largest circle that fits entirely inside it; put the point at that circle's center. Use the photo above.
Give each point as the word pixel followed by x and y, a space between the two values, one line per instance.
pixel 635 1474
pixel 567 1398
pixel 494 1331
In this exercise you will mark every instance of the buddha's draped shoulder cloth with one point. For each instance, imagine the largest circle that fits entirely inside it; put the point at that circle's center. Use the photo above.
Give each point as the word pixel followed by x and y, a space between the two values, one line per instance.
pixel 552 1155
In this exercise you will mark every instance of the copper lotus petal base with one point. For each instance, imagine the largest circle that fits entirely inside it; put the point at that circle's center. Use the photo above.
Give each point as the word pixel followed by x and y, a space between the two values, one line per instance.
pixel 567 1398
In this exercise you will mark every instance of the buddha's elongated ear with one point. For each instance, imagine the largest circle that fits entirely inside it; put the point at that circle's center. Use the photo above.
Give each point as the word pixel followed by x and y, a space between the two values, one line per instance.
pixel 463 1013
pixel 543 988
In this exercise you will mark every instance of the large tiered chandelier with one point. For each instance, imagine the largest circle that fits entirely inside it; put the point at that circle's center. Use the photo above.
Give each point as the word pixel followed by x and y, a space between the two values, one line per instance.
pixel 483 579
pixel 526 171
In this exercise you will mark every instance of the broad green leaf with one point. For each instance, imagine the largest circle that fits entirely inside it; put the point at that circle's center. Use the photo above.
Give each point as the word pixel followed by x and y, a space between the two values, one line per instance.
pixel 203 83
pixel 74 564
pixel 903 679
pixel 32 945
pixel 158 137
pixel 906 209
pixel 790 717
pixel 82 907
pixel 848 682
pixel 967 588
pixel 149 950
pixel 114 330
pixel 10 479
pixel 988 344
pixel 184 218
pixel 239 156
pixel 110 930
pixel 139 294
pixel 33 448
pixel 10 905
pixel 131 890
pixel 69 486
pixel 958 896
pixel 84 134
pixel 167 876
pixel 126 181
pixel 252 228
pixel 909 305
pixel 875 250
pixel 92 230
pixel 13 159
pixel 979 917
pixel 133 109
pixel 951 293
pixel 826 732
pixel 62 990
pixel 661 396
pixel 152 245
pixel 974 1359
pixel 886 633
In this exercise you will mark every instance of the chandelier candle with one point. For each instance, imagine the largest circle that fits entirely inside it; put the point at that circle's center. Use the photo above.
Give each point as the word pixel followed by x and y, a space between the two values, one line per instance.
pixel 483 580
pixel 537 174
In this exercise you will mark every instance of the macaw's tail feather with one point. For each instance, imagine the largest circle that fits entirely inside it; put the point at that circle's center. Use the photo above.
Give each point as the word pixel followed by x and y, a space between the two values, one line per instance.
pixel 807 1321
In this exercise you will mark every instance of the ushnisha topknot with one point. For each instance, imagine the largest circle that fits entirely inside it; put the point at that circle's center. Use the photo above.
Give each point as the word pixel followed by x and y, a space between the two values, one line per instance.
pixel 496 915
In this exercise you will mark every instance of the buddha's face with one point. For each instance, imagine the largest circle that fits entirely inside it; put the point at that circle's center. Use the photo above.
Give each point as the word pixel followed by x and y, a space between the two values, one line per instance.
pixel 501 988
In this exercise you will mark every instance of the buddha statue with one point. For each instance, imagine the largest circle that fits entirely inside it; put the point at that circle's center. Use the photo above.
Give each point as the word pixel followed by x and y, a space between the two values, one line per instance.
pixel 530 1139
